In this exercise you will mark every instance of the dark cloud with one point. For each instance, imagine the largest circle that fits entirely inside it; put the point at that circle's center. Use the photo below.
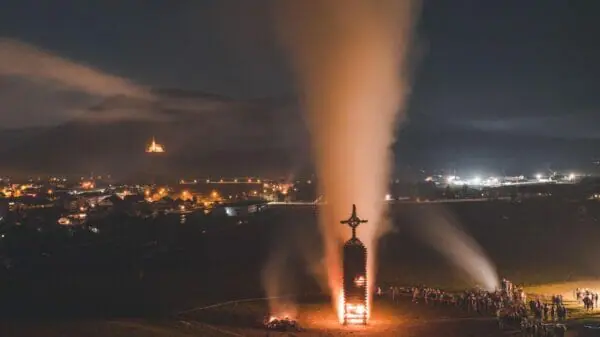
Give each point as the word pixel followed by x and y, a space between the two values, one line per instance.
pixel 42 88
pixel 567 127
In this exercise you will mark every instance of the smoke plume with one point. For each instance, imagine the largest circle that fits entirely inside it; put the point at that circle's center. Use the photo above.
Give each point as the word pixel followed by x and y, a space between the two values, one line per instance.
pixel 443 233
pixel 295 254
pixel 351 61
pixel 278 281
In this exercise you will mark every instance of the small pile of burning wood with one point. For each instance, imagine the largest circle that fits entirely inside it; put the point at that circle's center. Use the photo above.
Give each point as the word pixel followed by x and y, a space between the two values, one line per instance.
pixel 283 324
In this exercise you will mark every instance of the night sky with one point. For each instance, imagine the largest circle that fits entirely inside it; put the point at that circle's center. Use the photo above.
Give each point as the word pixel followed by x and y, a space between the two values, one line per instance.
pixel 492 76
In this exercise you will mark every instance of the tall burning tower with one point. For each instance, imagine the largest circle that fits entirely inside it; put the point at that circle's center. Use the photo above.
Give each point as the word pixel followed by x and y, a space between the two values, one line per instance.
pixel 355 275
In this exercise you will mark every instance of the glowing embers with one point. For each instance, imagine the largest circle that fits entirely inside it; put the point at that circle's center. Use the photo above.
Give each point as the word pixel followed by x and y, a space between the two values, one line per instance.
pixel 355 314
pixel 282 324
pixel 355 302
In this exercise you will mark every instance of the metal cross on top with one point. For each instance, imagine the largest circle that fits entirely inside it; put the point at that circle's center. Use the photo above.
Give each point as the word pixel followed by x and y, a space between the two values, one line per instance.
pixel 353 221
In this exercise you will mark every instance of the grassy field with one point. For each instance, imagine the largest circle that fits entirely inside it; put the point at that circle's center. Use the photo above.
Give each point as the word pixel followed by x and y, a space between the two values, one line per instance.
pixel 577 314
pixel 403 319
pixel 545 245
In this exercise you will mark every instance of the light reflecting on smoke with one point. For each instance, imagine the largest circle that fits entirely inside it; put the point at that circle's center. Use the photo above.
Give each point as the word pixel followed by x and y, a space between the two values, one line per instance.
pixel 350 59
pixel 278 282
pixel 441 231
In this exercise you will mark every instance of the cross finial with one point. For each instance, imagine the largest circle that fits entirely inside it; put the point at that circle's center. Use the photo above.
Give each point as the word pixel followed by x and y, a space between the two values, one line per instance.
pixel 353 221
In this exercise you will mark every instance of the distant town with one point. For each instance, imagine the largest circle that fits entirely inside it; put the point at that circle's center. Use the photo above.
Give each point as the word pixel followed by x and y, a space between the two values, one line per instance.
pixel 74 202
pixel 42 203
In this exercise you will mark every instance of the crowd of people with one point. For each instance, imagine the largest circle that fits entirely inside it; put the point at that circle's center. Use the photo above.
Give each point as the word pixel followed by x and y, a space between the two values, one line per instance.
pixel 587 297
pixel 509 305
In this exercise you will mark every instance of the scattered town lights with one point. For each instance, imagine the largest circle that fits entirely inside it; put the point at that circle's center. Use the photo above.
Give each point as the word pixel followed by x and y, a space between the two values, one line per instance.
pixel 186 195
pixel 87 185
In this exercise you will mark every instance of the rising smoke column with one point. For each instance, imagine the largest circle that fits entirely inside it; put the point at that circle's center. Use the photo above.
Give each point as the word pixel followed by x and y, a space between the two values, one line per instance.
pixel 296 246
pixel 350 59
pixel 278 281
pixel 439 229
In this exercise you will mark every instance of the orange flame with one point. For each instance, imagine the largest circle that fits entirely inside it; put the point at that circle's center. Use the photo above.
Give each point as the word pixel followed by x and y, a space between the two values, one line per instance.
pixel 353 314
pixel 340 306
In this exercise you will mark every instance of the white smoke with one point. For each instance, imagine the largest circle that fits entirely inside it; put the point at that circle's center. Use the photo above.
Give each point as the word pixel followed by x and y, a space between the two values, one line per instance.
pixel 351 61
pixel 443 233
pixel 278 282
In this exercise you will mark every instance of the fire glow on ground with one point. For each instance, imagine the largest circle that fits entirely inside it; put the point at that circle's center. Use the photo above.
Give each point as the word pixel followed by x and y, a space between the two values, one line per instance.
pixel 566 290
pixel 324 318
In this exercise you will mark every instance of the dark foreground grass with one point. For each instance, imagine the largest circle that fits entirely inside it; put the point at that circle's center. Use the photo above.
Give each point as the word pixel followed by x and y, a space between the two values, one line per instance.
pixel 115 294
pixel 317 319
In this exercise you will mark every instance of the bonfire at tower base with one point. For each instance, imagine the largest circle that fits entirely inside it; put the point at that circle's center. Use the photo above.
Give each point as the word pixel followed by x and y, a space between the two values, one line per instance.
pixel 283 324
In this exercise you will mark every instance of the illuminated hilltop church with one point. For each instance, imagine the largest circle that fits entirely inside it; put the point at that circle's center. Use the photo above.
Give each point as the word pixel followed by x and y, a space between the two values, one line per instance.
pixel 154 147
pixel 155 165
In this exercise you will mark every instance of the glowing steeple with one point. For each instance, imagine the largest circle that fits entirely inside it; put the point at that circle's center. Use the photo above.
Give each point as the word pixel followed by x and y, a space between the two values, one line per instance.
pixel 154 147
